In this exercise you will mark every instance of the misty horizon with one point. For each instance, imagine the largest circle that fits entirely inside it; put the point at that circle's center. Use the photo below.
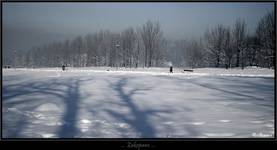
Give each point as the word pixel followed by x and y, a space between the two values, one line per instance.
pixel 27 25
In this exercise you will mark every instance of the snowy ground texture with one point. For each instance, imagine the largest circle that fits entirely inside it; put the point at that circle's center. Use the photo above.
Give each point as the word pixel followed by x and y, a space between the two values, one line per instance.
pixel 142 103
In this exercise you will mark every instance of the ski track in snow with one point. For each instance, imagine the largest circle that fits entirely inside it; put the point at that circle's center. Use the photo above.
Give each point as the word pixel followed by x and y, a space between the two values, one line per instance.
pixel 49 103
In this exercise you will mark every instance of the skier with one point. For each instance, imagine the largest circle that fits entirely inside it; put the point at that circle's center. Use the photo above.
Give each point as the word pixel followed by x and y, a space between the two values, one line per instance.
pixel 171 69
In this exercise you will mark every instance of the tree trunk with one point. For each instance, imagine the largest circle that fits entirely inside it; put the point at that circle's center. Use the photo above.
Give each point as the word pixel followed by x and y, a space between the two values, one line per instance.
pixel 237 63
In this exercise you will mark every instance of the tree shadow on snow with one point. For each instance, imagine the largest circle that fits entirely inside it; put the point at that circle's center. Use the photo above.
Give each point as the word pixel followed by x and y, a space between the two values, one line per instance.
pixel 68 96
pixel 261 84
pixel 232 87
pixel 243 91
pixel 72 98
pixel 141 118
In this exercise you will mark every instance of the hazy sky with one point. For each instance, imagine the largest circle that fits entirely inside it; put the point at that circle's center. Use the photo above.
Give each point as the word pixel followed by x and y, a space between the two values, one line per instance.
pixel 31 24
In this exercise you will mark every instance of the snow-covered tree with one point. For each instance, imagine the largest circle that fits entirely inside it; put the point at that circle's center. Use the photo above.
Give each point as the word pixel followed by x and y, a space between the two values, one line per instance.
pixel 215 43
pixel 150 33
pixel 239 34
pixel 265 33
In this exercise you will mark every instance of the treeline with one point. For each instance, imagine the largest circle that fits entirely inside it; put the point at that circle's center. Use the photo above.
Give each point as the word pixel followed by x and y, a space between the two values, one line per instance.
pixel 145 46
pixel 230 46
pixel 236 47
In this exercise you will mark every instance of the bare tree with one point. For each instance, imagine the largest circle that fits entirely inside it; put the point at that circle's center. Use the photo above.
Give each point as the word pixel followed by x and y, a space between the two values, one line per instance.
pixel 138 50
pixel 239 33
pixel 147 47
pixel 150 33
pixel 215 41
pixel 128 42
pixel 228 48
pixel 193 53
pixel 266 35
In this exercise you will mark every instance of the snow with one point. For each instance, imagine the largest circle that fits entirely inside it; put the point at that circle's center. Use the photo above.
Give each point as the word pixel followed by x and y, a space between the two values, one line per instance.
pixel 198 123
pixel 219 134
pixel 236 72
pixel 85 121
pixel 225 121
pixel 48 107
pixel 48 135
pixel 135 103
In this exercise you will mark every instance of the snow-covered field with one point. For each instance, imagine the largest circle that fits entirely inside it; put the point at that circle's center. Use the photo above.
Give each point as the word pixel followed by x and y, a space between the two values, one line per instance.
pixel 135 103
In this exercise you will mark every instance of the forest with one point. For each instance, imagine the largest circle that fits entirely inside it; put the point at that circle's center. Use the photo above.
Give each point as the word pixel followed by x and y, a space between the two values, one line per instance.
pixel 146 46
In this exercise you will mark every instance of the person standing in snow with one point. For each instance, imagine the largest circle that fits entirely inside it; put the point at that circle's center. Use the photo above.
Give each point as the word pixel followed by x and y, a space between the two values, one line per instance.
pixel 171 69
pixel 63 67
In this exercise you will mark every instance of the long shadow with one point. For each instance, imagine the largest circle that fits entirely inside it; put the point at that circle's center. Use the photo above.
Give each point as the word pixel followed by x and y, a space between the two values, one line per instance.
pixel 259 90
pixel 13 132
pixel 31 88
pixel 22 103
pixel 235 92
pixel 15 90
pixel 69 97
pixel 266 85
pixel 69 130
pixel 236 88
pixel 140 121
pixel 210 86
pixel 72 100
